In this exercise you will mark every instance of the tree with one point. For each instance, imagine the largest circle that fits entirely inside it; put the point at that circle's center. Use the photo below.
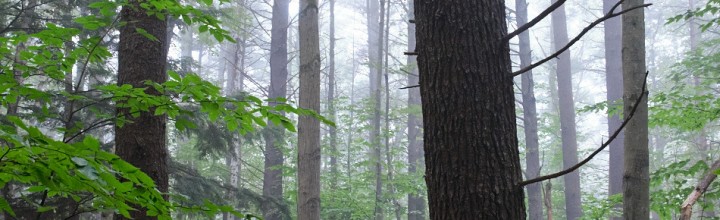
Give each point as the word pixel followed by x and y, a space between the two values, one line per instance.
pixel 141 58
pixel 472 157
pixel 375 20
pixel 573 203
pixel 636 196
pixel 530 118
pixel 613 83
pixel 416 202
pixel 272 176
pixel 308 126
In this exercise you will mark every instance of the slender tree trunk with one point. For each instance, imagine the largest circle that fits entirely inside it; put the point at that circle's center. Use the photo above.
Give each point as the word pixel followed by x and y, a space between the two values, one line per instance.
pixel 636 186
pixel 143 142
pixel 468 103
pixel 272 177
pixel 613 83
pixel 308 127
pixel 375 24
pixel 416 202
pixel 530 118
pixel 331 100
pixel 573 203
pixel 548 200
pixel 388 153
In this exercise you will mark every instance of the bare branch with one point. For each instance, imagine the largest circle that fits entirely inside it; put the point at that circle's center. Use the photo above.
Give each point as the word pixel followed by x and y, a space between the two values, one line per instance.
pixel 567 46
pixel 535 20
pixel 698 191
pixel 602 147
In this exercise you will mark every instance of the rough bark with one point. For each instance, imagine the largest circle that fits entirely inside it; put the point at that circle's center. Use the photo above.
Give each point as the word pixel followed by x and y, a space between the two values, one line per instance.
pixel 530 118
pixel 636 176
pixel 573 203
pixel 613 83
pixel 272 176
pixel 143 142
pixel 416 202
pixel 308 126
pixel 472 157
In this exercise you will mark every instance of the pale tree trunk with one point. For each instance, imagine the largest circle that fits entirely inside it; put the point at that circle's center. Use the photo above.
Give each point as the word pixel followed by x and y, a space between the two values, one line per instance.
pixel 613 83
pixel 573 203
pixel 636 187
pixel 331 99
pixel 416 202
pixel 272 177
pixel 468 106
pixel 388 153
pixel 530 118
pixel 186 49
pixel 375 24
pixel 308 127
pixel 143 142
pixel 700 188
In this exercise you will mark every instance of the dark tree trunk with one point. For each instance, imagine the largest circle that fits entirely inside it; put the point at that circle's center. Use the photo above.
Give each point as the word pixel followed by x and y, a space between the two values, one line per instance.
pixel 472 157
pixel 416 202
pixel 573 204
pixel 272 177
pixel 142 143
pixel 532 157
pixel 614 82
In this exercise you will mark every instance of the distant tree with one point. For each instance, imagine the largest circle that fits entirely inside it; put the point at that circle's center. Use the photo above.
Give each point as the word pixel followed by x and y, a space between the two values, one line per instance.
pixel 530 118
pixel 613 84
pixel 272 175
pixel 573 203
pixel 416 202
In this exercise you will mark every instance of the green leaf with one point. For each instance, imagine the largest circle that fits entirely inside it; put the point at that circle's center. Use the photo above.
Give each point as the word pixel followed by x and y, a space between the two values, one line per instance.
pixel 143 32
pixel 5 206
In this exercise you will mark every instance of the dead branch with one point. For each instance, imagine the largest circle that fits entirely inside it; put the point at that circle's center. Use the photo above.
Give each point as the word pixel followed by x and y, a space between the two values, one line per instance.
pixel 610 14
pixel 535 20
pixel 601 148
pixel 698 191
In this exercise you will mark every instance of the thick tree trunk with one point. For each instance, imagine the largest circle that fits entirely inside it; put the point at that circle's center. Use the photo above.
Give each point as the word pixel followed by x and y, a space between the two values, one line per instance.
pixel 143 142
pixel 530 118
pixel 472 157
pixel 272 177
pixel 613 83
pixel 309 127
pixel 416 202
pixel 573 203
pixel 636 177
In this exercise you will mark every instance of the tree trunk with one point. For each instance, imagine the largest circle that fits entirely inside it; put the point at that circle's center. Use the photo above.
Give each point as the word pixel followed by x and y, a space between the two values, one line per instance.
pixel 272 177
pixel 416 202
pixel 143 143
pixel 375 49
pixel 472 157
pixel 308 126
pixel 548 200
pixel 530 118
pixel 636 187
pixel 613 83
pixel 331 100
pixel 573 203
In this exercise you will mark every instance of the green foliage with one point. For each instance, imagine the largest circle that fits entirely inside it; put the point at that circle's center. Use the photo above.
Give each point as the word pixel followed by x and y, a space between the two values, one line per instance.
pixel 597 208
pixel 671 185
pixel 59 158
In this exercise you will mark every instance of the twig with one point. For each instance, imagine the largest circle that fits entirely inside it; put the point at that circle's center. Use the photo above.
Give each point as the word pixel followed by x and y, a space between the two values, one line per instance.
pixel 602 147
pixel 410 87
pixel 567 46
pixel 535 20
